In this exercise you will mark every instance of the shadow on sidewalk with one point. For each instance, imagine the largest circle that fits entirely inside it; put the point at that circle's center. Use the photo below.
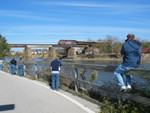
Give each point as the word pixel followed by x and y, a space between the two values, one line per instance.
pixel 7 107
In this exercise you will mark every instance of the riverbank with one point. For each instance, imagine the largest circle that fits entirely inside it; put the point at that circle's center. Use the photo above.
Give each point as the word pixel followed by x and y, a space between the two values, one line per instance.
pixel 144 60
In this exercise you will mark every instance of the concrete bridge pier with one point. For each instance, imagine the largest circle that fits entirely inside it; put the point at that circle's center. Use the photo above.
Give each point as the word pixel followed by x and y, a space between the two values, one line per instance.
pixel 28 55
pixel 72 53
pixel 92 52
pixel 52 52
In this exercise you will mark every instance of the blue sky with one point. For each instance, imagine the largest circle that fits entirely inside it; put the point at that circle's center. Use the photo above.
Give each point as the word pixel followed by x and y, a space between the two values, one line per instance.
pixel 47 21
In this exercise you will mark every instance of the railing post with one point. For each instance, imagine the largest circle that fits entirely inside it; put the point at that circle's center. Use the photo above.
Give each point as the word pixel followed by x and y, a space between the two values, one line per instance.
pixel 76 79
pixel 6 67
pixel 24 66
pixel 119 100
pixel 36 69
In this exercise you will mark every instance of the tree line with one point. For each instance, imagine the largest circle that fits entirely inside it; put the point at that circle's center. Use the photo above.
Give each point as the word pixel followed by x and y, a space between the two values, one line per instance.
pixel 108 45
pixel 113 45
pixel 4 47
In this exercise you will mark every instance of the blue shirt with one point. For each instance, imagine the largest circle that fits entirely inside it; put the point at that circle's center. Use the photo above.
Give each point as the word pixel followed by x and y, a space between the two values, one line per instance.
pixel 55 64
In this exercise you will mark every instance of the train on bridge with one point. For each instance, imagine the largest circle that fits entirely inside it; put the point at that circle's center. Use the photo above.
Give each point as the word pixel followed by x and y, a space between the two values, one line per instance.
pixel 145 50
pixel 75 42
pixel 90 43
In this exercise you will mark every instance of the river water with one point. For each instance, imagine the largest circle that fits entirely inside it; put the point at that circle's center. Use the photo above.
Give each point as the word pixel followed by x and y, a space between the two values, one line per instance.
pixel 108 78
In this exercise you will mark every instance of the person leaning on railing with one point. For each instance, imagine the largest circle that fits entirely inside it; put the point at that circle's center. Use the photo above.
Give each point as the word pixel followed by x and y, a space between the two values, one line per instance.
pixel 131 51
pixel 20 64
pixel 55 77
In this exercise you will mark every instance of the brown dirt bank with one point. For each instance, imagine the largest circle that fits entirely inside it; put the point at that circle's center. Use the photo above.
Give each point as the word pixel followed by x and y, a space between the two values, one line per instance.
pixel 145 59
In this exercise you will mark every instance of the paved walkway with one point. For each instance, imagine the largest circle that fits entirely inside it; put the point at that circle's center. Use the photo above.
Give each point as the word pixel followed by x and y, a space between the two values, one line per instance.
pixel 22 95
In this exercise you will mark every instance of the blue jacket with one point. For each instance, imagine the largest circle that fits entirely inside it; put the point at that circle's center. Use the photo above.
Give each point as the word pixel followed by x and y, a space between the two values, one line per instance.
pixel 55 64
pixel 131 51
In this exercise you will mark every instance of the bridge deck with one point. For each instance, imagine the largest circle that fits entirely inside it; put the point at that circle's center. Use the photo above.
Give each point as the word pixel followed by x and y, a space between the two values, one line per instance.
pixel 21 95
pixel 44 45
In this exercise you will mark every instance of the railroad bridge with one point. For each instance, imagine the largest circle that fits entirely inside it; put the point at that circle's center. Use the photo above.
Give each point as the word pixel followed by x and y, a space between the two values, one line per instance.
pixel 51 49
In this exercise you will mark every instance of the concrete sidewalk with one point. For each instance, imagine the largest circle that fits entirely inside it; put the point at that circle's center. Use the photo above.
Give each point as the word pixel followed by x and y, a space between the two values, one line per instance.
pixel 30 96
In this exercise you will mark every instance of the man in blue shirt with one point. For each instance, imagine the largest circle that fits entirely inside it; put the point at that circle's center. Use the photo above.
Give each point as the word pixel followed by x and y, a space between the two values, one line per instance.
pixel 55 68
pixel 131 51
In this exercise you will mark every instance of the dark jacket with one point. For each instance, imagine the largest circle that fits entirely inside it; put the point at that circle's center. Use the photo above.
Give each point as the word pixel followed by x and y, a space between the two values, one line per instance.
pixel 13 61
pixel 55 64
pixel 131 51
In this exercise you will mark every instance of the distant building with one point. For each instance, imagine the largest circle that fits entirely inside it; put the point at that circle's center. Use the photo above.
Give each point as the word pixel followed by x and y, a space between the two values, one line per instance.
pixel 38 51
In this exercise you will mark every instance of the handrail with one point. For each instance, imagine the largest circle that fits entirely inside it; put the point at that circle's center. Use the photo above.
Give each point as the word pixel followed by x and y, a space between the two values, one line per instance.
pixel 110 68
pixel 135 98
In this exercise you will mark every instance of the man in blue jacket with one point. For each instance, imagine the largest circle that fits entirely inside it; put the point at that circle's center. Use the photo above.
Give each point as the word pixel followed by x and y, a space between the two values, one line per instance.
pixel 131 51
pixel 55 67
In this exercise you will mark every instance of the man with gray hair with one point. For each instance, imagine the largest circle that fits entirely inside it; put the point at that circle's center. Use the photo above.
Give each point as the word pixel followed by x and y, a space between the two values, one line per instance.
pixel 20 67
pixel 131 51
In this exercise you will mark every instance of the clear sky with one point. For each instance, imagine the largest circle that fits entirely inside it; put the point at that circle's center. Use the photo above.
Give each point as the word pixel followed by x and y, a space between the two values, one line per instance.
pixel 47 21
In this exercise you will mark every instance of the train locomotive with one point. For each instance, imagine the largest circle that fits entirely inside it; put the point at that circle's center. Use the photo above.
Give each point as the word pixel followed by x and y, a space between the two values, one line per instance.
pixel 74 42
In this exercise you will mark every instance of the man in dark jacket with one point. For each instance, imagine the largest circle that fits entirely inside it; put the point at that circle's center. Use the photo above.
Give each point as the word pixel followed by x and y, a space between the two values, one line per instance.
pixel 13 63
pixel 55 68
pixel 131 51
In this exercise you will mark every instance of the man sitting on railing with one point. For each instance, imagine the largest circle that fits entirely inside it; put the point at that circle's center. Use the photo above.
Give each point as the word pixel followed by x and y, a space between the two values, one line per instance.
pixel 131 51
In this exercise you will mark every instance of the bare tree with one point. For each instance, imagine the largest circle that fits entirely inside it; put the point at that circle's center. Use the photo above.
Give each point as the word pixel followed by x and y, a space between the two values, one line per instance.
pixel 109 45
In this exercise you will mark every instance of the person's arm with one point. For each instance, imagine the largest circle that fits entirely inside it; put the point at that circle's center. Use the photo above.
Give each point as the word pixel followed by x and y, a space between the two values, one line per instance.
pixel 10 61
pixel 60 64
pixel 122 51
pixel 140 53
pixel 15 62
pixel 51 66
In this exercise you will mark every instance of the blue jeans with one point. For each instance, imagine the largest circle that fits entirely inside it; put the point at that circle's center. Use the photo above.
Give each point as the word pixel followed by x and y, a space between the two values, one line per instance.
pixel 119 73
pixel 12 69
pixel 55 81
pixel 1 67
pixel 20 70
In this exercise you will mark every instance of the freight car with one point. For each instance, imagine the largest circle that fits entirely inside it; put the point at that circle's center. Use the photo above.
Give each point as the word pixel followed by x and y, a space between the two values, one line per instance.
pixel 85 43
pixel 145 50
